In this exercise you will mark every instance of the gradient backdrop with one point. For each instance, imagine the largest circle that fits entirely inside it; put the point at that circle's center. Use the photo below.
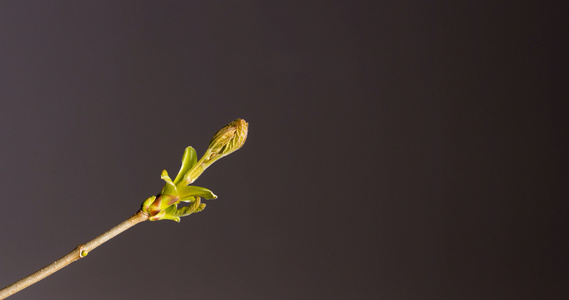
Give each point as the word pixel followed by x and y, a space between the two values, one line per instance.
pixel 397 150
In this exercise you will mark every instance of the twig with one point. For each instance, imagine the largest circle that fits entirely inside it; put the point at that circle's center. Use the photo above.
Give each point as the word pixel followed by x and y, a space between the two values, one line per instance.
pixel 77 253
pixel 163 206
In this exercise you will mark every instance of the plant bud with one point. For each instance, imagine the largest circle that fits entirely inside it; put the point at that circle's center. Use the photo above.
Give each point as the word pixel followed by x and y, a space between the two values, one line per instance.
pixel 164 206
pixel 227 140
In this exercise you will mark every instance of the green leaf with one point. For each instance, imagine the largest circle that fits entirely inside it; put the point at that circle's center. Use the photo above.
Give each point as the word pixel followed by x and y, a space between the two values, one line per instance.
pixel 195 205
pixel 170 210
pixel 189 160
pixel 188 199
pixel 170 187
pixel 183 211
pixel 170 214
pixel 170 217
pixel 201 207
pixel 146 204
pixel 167 200
pixel 188 210
pixel 186 192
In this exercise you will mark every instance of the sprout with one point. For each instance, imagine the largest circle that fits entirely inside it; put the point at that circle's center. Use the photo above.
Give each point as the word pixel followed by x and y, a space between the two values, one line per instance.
pixel 165 205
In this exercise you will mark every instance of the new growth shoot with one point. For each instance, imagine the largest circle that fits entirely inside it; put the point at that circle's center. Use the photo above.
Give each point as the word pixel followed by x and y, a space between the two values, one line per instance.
pixel 163 206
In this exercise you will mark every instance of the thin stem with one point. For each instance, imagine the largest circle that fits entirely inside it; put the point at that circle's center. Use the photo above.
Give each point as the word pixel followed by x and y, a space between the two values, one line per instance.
pixel 77 253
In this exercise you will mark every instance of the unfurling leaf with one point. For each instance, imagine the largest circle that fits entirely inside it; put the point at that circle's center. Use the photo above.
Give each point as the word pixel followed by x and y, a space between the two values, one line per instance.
pixel 164 206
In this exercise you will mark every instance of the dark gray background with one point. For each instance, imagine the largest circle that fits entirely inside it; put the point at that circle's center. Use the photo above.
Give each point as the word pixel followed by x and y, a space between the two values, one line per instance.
pixel 400 150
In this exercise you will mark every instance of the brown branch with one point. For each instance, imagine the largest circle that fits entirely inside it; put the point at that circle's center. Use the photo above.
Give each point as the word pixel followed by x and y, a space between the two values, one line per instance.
pixel 77 253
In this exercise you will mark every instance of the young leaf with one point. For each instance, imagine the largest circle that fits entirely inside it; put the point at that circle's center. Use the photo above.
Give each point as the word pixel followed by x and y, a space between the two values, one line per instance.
pixel 170 214
pixel 188 210
pixel 169 187
pixel 189 160
pixel 186 192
